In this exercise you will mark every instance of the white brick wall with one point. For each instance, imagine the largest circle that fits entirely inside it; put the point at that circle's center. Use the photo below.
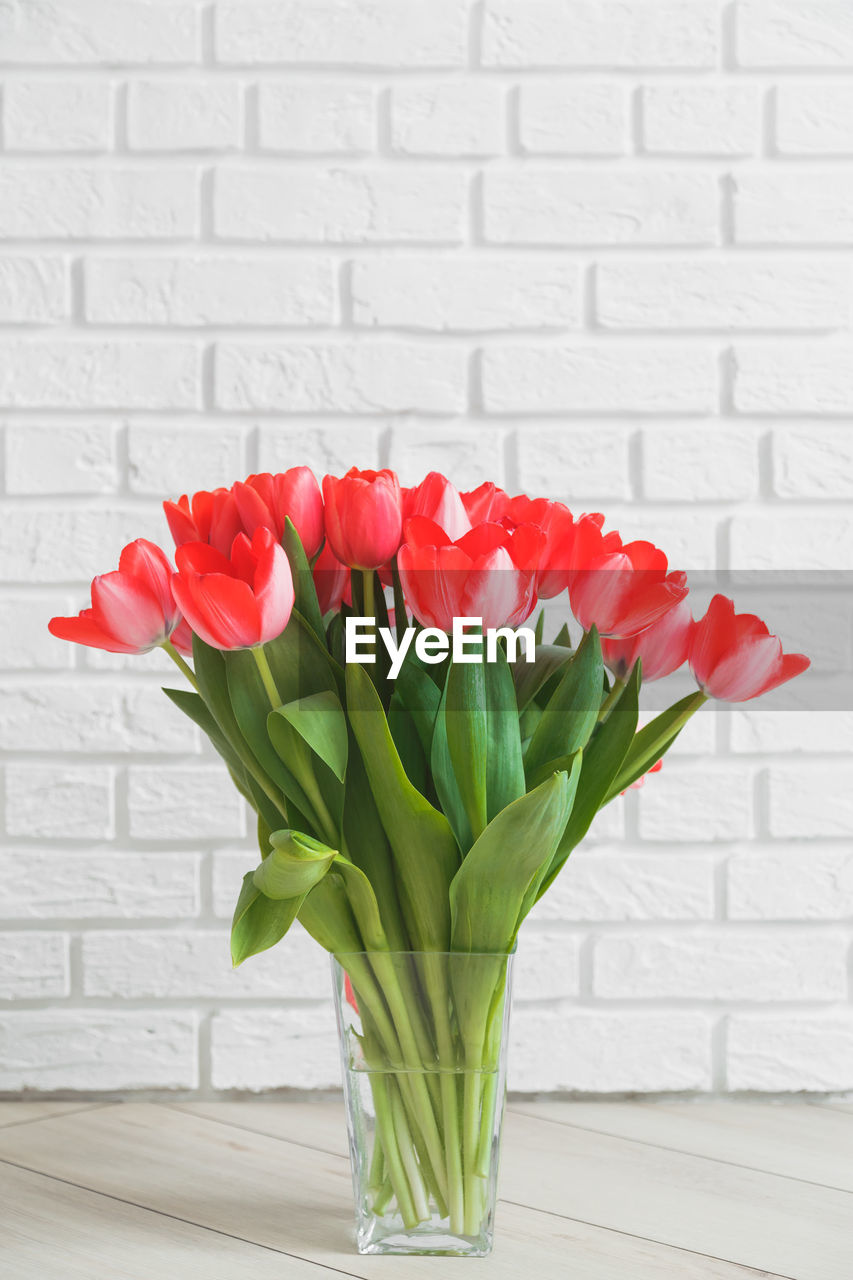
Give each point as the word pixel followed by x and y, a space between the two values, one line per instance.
pixel 601 249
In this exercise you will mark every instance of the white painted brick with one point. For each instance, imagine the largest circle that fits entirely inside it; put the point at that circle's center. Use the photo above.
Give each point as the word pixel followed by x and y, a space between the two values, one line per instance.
pixel 25 642
pixel 163 460
pixel 689 545
pixel 699 804
pixel 332 449
pixel 801 377
pixel 813 460
pixel 722 965
pixel 276 1049
pixel 755 730
pixel 808 802
pixel 477 452
pixel 790 1052
pixel 784 33
pixel 593 1052
pixel 58 115
pixel 600 206
pixel 69 802
pixel 455 293
pixel 457 118
pixel 75 202
pixel 97 1049
pixel 56 544
pixel 100 374
pixel 345 377
pixel 228 868
pixel 608 824
pixel 742 294
pixel 33 966
pixel 209 290
pixel 547 966
pixel 798 206
pixel 188 802
pixel 822 630
pixel 798 542
pixel 814 119
pixel 678 465
pixel 316 116
pixel 62 458
pixel 347 206
pixel 597 376
pixel 595 886
pixel 92 886
pixel 593 459
pixel 699 119
pixel 158 965
pixel 128 32
pixel 373 33
pixel 184 115
pixel 33 290
pixel 595 33
pixel 92 716
pixel 789 886
pixel 582 118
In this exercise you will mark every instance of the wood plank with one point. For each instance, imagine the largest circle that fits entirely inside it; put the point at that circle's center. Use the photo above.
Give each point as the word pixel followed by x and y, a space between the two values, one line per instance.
pixel 27 1112
pixel 320 1125
pixel 286 1196
pixel 792 1139
pixel 51 1230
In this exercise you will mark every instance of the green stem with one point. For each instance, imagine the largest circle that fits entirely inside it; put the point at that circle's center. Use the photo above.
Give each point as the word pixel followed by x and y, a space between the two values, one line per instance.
pixel 613 696
pixel 471 1145
pixel 437 988
pixel 387 1135
pixel 262 663
pixel 369 605
pixel 181 664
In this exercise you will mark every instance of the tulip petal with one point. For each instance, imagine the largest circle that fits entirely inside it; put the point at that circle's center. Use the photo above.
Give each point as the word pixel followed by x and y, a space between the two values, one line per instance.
pixel 150 564
pixel 83 630
pixel 125 608
pixel 274 593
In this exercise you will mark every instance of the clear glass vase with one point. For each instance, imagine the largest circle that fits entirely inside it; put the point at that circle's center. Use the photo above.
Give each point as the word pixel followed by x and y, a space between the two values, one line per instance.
pixel 423 1044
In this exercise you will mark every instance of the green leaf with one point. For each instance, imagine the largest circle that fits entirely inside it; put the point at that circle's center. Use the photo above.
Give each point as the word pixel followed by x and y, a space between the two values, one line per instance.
pixel 259 922
pixel 420 696
pixel 306 601
pixel 365 908
pixel 464 710
pixel 327 915
pixel 529 677
pixel 571 714
pixel 563 638
pixel 300 662
pixel 295 864
pixel 445 782
pixel 320 720
pixel 652 742
pixel 408 743
pixel 401 618
pixel 504 764
pixel 197 710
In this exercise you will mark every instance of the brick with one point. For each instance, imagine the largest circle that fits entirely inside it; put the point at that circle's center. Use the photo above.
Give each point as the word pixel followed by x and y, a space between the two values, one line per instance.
pixel 70 802
pixel 565 118
pixel 689 545
pixel 697 119
pixel 786 886
pixel 547 966
pixel 803 205
pixel 813 460
pixel 188 802
pixel 697 805
pixel 601 206
pixel 593 1052
pixel 314 116
pixel 595 33
pixel 100 374
pixel 89 716
pixel 55 544
pixel 275 1049
pixel 33 966
pixel 721 965
pixel 87 1050
pixel 184 115
pixel 477 453
pixel 161 965
pixel 90 886
pixel 130 32
pixel 801 377
pixel 790 1051
pixel 597 886
pixel 342 377
pixel 163 460
pixel 343 206
pixel 228 868
pixel 794 541
pixel 382 33
pixel 678 465
pixel 723 295
pixel 202 290
pixel 594 457
pixel 66 202
pixel 595 376
pixel 61 459
pixel 33 290
pixel 821 628
pixel 809 802
pixel 332 449
pixel 814 119
pixel 458 118
pixel 782 33
pixel 25 642
pixel 755 730
pixel 450 293
pixel 58 115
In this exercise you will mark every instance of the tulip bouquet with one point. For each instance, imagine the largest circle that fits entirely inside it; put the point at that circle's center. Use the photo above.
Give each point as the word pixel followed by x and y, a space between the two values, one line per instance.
pixel 420 763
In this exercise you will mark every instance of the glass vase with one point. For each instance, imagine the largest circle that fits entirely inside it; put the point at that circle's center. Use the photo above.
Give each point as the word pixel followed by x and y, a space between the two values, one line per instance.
pixel 423 1038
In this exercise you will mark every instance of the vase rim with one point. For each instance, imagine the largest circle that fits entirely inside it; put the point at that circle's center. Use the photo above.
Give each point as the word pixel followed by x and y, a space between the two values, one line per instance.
pixel 414 952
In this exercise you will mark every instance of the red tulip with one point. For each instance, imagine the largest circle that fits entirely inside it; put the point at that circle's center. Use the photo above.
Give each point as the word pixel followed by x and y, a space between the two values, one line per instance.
pixel 623 589
pixel 662 647
pixel 734 657
pixel 569 543
pixel 485 503
pixel 364 517
pixel 267 500
pixel 488 573
pixel 235 603
pixel 331 580
pixel 437 499
pixel 206 517
pixel 133 609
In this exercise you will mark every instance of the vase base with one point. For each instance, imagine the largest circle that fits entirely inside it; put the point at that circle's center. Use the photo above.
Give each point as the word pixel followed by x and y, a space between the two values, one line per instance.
pixel 432 1238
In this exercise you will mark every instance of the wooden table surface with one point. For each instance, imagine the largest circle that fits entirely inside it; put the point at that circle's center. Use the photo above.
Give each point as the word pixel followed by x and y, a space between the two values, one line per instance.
pixel 588 1191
